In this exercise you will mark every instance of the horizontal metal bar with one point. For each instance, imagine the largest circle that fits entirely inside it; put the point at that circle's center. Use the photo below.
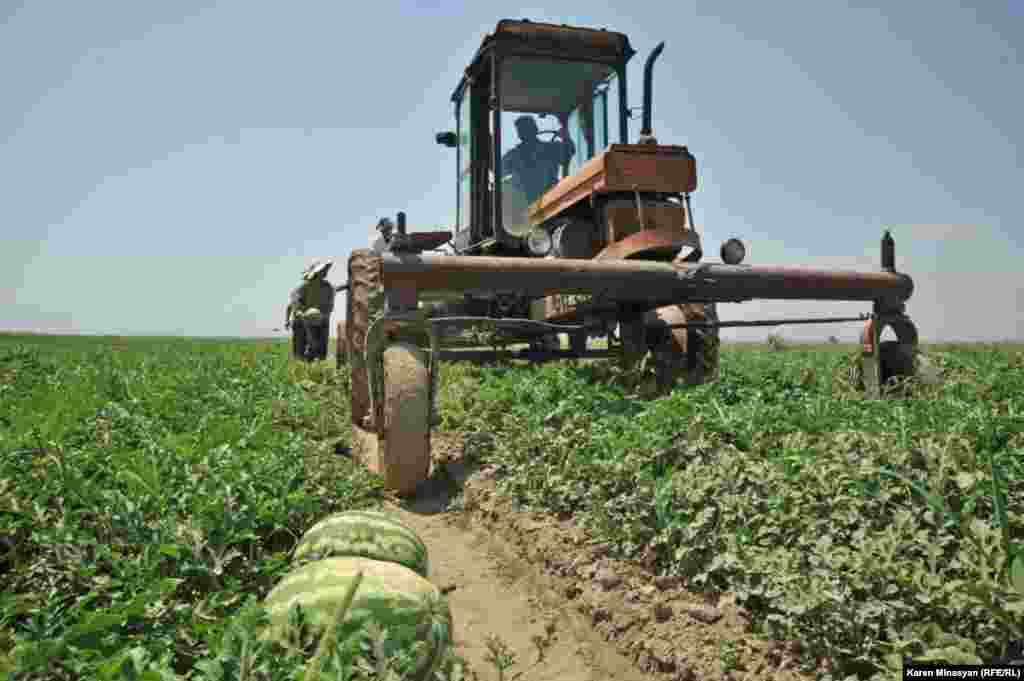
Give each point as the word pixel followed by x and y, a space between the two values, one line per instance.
pixel 769 322
pixel 470 247
pixel 641 282
pixel 514 323
pixel 532 355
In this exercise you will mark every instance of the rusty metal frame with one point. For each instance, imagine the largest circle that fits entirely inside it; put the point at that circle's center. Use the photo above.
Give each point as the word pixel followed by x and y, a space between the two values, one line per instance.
pixel 639 283
pixel 633 287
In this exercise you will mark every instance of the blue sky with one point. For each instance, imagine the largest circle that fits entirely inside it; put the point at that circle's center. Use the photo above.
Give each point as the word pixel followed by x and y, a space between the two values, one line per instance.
pixel 172 167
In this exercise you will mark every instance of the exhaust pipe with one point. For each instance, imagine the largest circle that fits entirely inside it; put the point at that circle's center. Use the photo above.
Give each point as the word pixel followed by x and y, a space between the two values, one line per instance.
pixel 646 134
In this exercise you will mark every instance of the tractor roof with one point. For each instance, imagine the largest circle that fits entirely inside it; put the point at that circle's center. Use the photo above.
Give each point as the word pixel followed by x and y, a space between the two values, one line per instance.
pixel 523 37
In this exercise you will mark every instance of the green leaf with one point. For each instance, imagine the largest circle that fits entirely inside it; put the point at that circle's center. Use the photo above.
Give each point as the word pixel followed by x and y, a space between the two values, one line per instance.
pixel 999 499
pixel 95 622
pixel 170 550
pixel 965 481
pixel 1017 574
pixel 937 503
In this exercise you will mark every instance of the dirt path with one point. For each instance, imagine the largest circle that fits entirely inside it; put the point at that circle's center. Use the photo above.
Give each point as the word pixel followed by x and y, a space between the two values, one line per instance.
pixel 567 610
pixel 492 592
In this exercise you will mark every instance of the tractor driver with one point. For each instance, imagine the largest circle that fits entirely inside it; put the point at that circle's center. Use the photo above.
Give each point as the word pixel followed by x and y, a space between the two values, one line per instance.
pixel 535 164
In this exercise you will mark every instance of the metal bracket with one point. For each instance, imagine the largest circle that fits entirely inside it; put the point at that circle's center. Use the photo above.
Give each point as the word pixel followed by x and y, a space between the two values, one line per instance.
pixel 885 314
pixel 376 341
pixel 639 206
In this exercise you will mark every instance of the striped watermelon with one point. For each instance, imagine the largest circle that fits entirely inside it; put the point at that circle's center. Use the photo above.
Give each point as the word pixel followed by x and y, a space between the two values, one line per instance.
pixel 413 611
pixel 366 534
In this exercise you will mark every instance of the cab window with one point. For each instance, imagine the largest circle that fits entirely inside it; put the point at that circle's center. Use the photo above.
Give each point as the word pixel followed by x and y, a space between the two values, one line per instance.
pixel 540 97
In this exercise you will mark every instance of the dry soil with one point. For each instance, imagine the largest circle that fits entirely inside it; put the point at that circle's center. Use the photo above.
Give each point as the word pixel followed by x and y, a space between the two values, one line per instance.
pixel 564 607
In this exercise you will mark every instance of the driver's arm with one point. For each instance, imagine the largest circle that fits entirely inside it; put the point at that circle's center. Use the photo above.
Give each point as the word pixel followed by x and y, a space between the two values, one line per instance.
pixel 563 151
pixel 510 162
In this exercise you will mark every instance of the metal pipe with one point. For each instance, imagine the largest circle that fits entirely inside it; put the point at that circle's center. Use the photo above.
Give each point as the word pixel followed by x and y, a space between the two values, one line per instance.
pixel 604 122
pixel 689 212
pixel 888 252
pixel 639 207
pixel 645 131
pixel 645 283
pixel 532 355
pixel 623 108
pixel 767 322
pixel 497 228
pixel 461 221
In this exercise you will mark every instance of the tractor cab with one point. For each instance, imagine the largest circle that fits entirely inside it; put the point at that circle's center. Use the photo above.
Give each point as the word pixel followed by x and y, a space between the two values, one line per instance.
pixel 537 102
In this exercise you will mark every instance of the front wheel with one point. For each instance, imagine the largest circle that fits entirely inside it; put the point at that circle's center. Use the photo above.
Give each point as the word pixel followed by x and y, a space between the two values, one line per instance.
pixel 688 353
pixel 400 449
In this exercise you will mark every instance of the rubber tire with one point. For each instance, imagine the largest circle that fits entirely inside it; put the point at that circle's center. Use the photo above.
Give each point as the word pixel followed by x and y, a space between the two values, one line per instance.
pixel 405 433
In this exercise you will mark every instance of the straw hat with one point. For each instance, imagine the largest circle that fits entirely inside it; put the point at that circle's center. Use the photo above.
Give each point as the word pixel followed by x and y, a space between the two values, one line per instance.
pixel 316 268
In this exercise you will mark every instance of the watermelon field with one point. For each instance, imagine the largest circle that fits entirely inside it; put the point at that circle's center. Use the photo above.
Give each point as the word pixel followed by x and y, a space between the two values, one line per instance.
pixel 774 524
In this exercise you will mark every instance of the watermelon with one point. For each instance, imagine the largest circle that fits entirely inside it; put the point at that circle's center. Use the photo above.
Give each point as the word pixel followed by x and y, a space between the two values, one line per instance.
pixel 366 534
pixel 411 609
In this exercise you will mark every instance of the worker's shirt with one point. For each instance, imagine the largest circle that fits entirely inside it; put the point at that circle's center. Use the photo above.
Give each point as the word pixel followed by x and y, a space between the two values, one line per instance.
pixel 378 244
pixel 318 293
pixel 537 165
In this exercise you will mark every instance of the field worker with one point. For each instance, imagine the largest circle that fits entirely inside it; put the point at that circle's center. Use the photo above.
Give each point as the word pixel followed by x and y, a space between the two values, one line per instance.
pixel 312 310
pixel 379 244
pixel 385 232
pixel 298 330
pixel 535 164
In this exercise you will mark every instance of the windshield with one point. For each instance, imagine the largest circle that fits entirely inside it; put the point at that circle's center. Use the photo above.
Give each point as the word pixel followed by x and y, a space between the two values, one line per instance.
pixel 554 118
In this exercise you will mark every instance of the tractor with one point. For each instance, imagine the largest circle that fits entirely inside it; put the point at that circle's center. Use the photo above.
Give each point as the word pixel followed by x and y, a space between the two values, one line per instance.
pixel 565 230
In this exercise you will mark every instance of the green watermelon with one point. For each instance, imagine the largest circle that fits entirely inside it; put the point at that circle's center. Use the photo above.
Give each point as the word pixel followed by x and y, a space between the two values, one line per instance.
pixel 411 609
pixel 366 534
